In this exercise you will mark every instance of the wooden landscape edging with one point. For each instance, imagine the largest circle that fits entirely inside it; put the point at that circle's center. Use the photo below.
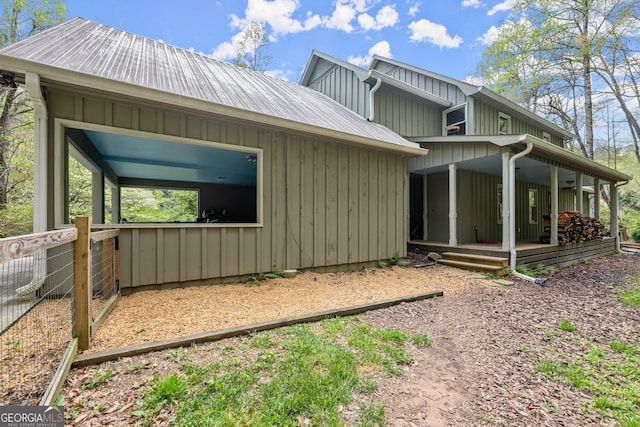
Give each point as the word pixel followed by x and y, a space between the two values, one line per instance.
pixel 60 376
pixel 114 354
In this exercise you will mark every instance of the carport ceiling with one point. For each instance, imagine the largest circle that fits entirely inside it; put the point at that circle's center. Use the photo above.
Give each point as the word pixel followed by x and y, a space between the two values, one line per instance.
pixel 135 157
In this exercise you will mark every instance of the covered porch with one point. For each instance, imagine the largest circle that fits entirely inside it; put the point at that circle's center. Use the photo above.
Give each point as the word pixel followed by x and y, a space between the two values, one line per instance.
pixel 491 195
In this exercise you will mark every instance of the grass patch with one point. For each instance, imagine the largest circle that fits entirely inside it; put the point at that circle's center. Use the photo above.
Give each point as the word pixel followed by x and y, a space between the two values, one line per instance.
pixel 631 297
pixel 421 340
pixel 566 326
pixel 611 376
pixel 300 375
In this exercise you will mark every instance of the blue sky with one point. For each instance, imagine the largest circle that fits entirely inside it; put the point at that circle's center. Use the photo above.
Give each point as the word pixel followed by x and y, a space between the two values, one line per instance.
pixel 444 36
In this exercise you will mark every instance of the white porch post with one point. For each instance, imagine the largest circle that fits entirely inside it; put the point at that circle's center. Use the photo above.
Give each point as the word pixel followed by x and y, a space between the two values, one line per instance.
pixel 453 206
pixel 40 151
pixel 613 195
pixel 579 198
pixel 505 200
pixel 425 209
pixel 596 198
pixel 554 205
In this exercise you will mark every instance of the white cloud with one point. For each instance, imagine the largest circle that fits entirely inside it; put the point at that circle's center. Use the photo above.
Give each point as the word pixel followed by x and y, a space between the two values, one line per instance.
pixel 228 50
pixel 381 48
pixel 278 14
pixel 501 7
pixel 386 17
pixel 471 3
pixel 427 31
pixel 341 18
pixel 414 9
pixel 489 36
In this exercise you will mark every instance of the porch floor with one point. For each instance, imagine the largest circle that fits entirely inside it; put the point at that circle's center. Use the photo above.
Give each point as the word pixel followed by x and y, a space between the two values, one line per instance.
pixel 491 249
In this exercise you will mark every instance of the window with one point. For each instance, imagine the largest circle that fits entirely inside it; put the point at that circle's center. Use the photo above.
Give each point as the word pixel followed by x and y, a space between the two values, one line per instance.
pixel 455 120
pixel 533 206
pixel 504 124
pixel 546 136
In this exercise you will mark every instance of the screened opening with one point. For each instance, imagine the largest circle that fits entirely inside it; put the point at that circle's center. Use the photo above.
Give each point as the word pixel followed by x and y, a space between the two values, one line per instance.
pixel 146 178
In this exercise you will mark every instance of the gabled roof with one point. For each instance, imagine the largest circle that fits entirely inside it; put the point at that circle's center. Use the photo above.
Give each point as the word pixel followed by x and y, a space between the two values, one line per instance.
pixel 370 75
pixel 480 92
pixel 87 54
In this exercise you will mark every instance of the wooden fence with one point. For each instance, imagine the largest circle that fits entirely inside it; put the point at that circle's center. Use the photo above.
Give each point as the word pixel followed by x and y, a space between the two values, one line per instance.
pixel 55 289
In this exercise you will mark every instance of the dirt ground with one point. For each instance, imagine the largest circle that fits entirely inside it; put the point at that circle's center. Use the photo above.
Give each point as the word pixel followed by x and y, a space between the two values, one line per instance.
pixel 476 373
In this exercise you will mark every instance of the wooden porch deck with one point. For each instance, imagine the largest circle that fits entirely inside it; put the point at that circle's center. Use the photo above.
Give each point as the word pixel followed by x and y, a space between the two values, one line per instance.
pixel 529 253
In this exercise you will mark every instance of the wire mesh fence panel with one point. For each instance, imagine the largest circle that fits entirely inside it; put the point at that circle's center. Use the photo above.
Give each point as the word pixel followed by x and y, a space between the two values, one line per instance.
pixel 103 275
pixel 36 304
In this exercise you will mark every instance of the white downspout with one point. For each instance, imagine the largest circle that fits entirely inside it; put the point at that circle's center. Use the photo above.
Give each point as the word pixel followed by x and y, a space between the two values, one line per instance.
pixel 372 92
pixel 512 217
pixel 40 198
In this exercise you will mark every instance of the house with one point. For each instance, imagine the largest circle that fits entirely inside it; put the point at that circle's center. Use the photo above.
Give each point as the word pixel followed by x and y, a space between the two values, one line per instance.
pixel 330 173
pixel 494 169
pixel 306 182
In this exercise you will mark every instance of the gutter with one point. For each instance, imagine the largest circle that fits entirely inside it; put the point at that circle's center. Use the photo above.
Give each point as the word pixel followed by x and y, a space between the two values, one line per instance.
pixel 512 217
pixel 372 92
pixel 40 118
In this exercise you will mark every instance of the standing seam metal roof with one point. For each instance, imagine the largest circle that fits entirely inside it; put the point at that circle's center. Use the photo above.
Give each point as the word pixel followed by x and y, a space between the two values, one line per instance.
pixel 87 47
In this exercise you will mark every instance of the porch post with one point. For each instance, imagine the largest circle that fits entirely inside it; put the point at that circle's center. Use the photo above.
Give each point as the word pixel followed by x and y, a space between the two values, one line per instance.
pixel 453 206
pixel 505 200
pixel 115 205
pixel 554 205
pixel 596 198
pixel 613 195
pixel 40 152
pixel 97 198
pixel 579 203
pixel 425 210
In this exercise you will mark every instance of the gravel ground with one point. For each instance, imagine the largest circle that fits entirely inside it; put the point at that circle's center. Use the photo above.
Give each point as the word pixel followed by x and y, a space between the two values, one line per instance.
pixel 479 370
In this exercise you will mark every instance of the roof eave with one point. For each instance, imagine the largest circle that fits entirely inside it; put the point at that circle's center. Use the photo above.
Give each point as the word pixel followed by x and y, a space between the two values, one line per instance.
pixel 548 149
pixel 46 72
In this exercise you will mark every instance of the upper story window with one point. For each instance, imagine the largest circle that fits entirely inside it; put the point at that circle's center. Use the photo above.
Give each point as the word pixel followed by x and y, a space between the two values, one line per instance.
pixel 455 120
pixel 504 124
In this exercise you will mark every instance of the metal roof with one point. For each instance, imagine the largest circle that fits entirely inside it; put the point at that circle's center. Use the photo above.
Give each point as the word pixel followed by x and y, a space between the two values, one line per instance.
pixel 126 62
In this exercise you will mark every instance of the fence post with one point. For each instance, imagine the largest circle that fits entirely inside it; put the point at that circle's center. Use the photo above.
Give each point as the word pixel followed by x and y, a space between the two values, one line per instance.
pixel 82 285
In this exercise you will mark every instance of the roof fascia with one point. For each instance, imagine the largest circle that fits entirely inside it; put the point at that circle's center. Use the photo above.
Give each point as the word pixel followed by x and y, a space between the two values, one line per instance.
pixel 317 55
pixel 411 89
pixel 510 105
pixel 81 80
pixel 545 148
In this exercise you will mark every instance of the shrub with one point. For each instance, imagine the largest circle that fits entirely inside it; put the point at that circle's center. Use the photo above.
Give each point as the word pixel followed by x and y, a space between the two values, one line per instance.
pixel 635 234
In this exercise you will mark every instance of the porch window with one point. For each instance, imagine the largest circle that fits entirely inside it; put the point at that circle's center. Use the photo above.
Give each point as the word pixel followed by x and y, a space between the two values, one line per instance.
pixel 504 124
pixel 533 206
pixel 455 120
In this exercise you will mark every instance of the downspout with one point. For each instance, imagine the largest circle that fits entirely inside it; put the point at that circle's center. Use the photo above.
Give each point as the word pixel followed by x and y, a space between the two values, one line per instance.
pixel 512 217
pixel 372 92
pixel 40 199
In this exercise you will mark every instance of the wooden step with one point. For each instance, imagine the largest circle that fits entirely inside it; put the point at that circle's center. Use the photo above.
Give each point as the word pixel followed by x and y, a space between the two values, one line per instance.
pixel 473 266
pixel 476 259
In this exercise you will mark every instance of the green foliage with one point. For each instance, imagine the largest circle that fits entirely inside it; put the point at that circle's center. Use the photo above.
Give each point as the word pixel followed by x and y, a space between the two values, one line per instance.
pixel 252 48
pixel 635 234
pixel 566 326
pixel 540 270
pixel 610 377
pixel 305 377
pixel 259 277
pixel 631 297
pixel 99 377
pixel 158 205
pixel 396 259
pixel 421 340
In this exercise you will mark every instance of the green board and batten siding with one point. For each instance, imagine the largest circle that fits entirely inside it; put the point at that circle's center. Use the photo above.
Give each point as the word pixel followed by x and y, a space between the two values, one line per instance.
pixel 324 203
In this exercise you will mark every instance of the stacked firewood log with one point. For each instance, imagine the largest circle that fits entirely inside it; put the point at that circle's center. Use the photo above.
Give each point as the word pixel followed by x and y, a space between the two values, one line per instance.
pixel 573 227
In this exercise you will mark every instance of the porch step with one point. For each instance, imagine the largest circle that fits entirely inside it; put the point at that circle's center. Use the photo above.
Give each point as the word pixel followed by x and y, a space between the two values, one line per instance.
pixel 489 264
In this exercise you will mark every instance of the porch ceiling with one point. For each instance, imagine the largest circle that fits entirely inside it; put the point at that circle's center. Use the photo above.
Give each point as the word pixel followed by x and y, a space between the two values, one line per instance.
pixel 527 169
pixel 154 159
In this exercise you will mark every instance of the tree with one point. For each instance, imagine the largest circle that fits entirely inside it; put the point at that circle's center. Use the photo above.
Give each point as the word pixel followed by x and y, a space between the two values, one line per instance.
pixel 18 20
pixel 546 54
pixel 252 48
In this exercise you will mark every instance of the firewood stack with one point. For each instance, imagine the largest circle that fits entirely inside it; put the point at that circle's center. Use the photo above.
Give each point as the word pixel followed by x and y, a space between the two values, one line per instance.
pixel 573 227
